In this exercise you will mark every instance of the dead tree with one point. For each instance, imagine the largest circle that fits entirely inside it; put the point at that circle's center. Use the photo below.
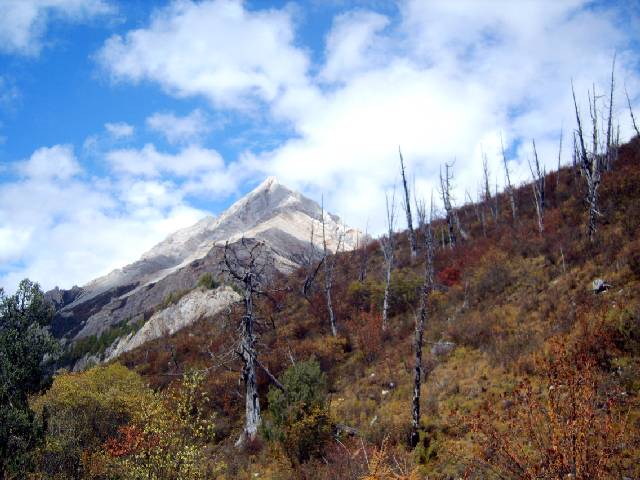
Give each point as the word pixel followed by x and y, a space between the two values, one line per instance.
pixel 481 210
pixel 633 118
pixel 329 262
pixel 413 243
pixel 538 188
pixel 248 267
pixel 590 166
pixel 487 188
pixel 510 189
pixel 421 320
pixel 387 245
pixel 421 212
pixel 308 260
pixel 559 161
pixel 609 144
pixel 470 201
pixel 362 252
pixel 453 222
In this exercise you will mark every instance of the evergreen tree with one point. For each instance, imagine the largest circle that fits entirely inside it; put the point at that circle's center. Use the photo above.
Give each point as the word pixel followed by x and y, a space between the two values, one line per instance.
pixel 27 349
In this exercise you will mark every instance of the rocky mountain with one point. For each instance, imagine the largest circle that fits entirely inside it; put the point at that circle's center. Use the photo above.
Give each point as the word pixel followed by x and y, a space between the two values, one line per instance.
pixel 133 295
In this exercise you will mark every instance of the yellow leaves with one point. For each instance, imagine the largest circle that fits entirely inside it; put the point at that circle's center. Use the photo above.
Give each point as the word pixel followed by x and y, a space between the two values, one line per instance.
pixel 384 466
pixel 112 386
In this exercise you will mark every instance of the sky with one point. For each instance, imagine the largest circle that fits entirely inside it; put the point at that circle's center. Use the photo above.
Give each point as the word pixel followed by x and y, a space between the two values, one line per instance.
pixel 123 121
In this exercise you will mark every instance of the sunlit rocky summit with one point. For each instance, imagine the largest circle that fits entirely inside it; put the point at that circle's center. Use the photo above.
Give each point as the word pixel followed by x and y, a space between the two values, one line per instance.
pixel 272 213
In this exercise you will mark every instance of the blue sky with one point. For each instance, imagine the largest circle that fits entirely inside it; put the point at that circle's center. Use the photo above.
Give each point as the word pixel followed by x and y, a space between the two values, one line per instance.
pixel 122 121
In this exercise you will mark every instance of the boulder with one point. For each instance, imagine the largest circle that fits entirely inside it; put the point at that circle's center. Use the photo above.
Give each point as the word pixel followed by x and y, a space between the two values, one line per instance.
pixel 442 347
pixel 599 286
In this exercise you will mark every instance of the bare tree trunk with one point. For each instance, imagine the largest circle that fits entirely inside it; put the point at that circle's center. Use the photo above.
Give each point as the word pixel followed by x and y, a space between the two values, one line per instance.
pixel 510 190
pixel 538 188
pixel 633 118
pixel 248 270
pixel 453 222
pixel 418 341
pixel 483 215
pixel 559 161
pixel 363 256
pixel 421 212
pixel 590 166
pixel 496 203
pixel 407 209
pixel 328 276
pixel 387 244
pixel 487 188
pixel 310 264
pixel 609 150
pixel 248 354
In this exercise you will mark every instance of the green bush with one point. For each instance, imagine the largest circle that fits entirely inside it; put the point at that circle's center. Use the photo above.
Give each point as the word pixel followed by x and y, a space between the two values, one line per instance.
pixel 172 298
pixel 207 281
pixel 97 344
pixel 299 414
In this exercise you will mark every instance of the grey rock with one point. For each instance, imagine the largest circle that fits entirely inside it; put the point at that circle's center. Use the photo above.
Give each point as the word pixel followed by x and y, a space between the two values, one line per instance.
pixel 442 347
pixel 599 286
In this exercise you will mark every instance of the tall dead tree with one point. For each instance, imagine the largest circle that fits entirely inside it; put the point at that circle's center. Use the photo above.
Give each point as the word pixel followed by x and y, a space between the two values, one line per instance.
pixel 482 210
pixel 329 262
pixel 453 221
pixel 248 266
pixel 559 161
pixel 510 189
pixel 421 211
pixel 475 205
pixel 421 320
pixel 590 166
pixel 309 263
pixel 538 188
pixel 633 118
pixel 609 144
pixel 387 244
pixel 413 243
pixel 487 188
pixel 362 252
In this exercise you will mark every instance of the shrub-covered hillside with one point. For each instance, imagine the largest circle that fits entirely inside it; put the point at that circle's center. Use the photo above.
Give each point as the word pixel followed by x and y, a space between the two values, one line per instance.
pixel 528 371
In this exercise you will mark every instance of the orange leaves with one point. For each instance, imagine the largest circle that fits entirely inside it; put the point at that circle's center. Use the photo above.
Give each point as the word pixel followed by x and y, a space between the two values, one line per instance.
pixel 128 442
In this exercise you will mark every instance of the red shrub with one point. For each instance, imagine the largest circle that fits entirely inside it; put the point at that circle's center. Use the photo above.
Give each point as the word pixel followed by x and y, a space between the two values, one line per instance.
pixel 449 276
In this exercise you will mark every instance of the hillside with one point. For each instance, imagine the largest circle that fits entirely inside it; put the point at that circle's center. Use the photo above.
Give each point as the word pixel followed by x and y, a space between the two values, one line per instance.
pixel 531 368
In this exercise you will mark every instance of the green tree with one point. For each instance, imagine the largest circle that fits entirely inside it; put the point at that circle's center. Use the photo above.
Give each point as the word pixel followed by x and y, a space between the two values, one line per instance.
pixel 27 350
pixel 300 415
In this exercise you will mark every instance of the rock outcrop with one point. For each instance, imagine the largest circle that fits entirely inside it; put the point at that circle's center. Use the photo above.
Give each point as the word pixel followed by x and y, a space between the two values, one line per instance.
pixel 189 309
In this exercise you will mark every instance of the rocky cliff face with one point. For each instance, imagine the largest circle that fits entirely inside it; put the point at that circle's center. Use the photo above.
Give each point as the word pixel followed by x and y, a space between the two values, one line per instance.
pixel 280 217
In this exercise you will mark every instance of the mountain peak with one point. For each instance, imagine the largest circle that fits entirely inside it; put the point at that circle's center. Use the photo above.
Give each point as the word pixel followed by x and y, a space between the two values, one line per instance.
pixel 268 182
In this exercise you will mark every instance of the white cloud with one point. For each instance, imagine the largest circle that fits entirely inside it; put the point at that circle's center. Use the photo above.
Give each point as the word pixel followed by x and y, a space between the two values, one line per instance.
pixel 354 45
pixel 67 229
pixel 23 23
pixel 57 162
pixel 180 129
pixel 149 162
pixel 119 129
pixel 219 49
